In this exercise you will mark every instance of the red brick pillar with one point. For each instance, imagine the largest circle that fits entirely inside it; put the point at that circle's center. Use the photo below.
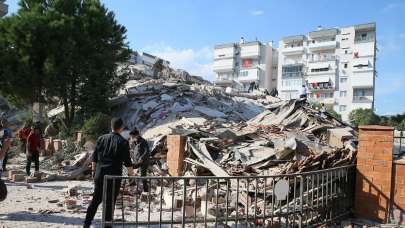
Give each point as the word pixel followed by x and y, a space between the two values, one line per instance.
pixel 175 154
pixel 374 172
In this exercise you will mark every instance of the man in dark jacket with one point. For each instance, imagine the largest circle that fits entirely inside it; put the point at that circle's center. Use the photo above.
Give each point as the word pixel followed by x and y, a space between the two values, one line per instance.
pixel 111 152
pixel 140 155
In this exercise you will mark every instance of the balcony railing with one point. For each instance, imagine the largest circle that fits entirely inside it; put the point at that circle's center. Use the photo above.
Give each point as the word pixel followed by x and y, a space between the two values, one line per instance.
pixel 322 59
pixel 363 39
pixel 292 74
pixel 328 87
pixel 362 99
pixel 323 45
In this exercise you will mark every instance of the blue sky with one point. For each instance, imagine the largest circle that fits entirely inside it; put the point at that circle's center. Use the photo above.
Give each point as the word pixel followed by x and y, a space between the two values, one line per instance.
pixel 185 31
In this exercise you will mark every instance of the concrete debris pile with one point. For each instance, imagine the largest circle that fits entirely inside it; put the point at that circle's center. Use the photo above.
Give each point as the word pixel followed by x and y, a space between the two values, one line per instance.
pixel 232 134
pixel 288 137
pixel 225 134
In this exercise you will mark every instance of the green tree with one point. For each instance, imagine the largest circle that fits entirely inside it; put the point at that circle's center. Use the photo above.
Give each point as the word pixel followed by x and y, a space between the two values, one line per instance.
pixel 95 126
pixel 401 126
pixel 64 49
pixel 363 117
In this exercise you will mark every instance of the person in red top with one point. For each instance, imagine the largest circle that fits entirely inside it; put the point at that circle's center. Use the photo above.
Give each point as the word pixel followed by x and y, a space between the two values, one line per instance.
pixel 33 148
pixel 23 134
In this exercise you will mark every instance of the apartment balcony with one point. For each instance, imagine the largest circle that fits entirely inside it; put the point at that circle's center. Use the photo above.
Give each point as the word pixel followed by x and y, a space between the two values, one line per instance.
pixel 362 65
pixel 299 50
pixel 322 59
pixel 323 45
pixel 362 99
pixel 224 51
pixel 362 80
pixel 3 9
pixel 292 74
pixel 249 75
pixel 223 81
pixel 250 50
pixel 224 65
pixel 321 88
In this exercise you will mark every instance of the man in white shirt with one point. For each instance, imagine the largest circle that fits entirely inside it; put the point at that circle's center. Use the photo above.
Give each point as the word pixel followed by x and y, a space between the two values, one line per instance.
pixel 303 93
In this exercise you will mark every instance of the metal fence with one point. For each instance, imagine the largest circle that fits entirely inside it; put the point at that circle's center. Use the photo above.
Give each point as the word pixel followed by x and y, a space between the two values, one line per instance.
pixel 399 144
pixel 291 200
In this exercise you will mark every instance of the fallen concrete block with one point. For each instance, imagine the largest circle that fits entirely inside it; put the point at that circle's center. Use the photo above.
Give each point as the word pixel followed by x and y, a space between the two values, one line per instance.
pixel 18 177
pixel 210 112
pixel 12 172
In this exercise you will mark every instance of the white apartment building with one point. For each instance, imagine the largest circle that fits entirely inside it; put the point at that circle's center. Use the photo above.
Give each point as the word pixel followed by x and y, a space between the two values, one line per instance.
pixel 238 65
pixel 3 8
pixel 336 64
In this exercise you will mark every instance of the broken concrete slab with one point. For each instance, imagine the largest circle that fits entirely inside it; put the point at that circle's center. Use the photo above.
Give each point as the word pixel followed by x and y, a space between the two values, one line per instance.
pixel 209 112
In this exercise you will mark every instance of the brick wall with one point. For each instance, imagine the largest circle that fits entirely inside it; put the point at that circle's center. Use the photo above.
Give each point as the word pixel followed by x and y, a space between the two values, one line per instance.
pixel 374 169
pixel 399 192
pixel 175 154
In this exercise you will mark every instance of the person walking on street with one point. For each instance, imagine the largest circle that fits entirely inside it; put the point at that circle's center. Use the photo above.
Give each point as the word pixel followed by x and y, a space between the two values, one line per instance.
pixel 33 148
pixel 140 155
pixel 110 153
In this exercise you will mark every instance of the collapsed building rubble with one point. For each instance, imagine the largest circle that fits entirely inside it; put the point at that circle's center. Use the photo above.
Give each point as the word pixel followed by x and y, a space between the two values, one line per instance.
pixel 228 134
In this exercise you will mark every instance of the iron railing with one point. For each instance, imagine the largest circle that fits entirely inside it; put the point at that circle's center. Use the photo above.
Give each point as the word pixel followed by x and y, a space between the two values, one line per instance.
pixel 399 144
pixel 291 200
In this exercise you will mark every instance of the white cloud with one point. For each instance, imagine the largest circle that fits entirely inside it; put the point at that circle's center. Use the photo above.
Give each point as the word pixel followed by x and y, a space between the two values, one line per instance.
pixel 195 61
pixel 256 12
pixel 391 6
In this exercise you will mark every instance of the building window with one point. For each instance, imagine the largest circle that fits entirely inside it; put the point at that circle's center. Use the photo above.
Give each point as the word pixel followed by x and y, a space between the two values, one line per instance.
pixel 345 51
pixel 359 92
pixel 292 71
pixel 343 80
pixel 343 93
pixel 320 69
pixel 345 66
pixel 244 73
pixel 342 108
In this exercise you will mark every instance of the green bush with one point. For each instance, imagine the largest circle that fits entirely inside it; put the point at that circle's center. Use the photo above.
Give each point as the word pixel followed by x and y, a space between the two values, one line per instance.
pixel 96 126
pixel 361 116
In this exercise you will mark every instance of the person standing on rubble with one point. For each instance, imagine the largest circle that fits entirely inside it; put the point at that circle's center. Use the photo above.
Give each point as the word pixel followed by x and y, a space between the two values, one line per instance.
pixel 111 152
pixel 303 93
pixel 140 155
pixel 33 148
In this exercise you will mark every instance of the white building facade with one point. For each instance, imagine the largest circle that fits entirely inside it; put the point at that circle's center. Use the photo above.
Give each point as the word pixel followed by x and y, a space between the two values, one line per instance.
pixel 238 65
pixel 337 65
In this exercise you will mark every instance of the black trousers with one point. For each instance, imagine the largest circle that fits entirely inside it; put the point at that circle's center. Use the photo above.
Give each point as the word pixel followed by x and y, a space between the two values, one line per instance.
pixel 5 161
pixel 98 197
pixel 34 157
pixel 145 185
